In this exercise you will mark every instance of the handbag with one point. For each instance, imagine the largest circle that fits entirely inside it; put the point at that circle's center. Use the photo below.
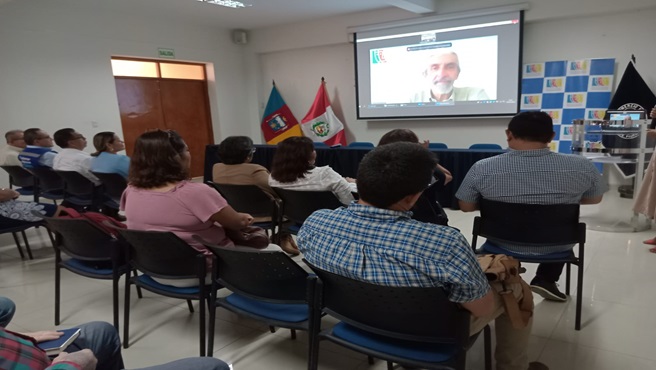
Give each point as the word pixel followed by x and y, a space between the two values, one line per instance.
pixel 251 236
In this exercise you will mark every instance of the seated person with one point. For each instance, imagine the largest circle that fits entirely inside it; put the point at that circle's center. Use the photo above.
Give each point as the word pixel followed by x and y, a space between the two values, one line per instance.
pixel 14 213
pixel 38 152
pixel 15 144
pixel 97 347
pixel 236 154
pixel 530 173
pixel 376 241
pixel 106 159
pixel 72 158
pixel 160 196
pixel 293 168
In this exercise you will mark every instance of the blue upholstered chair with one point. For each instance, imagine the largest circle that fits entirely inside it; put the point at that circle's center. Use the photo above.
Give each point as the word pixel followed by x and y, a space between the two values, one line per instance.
pixel 267 286
pixel 486 147
pixel 361 144
pixel 437 146
pixel 427 330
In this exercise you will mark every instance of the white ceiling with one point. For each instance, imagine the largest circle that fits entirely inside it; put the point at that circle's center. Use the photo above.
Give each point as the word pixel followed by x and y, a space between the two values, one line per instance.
pixel 266 13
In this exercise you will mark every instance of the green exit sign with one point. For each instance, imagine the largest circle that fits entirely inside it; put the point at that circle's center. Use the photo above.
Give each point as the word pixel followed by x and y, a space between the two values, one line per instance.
pixel 166 53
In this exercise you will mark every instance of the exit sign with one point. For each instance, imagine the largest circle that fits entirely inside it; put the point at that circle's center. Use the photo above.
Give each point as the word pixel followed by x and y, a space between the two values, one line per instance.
pixel 166 53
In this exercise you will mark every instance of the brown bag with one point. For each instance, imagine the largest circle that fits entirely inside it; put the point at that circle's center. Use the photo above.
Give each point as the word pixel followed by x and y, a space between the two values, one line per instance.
pixel 504 270
pixel 251 236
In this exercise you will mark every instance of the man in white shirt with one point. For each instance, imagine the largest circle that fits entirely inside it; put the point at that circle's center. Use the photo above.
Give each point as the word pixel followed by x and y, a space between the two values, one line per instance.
pixel 71 157
pixel 15 144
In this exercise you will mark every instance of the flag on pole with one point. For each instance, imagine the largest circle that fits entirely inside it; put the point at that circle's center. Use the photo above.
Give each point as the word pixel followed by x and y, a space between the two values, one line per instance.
pixel 632 92
pixel 278 122
pixel 320 123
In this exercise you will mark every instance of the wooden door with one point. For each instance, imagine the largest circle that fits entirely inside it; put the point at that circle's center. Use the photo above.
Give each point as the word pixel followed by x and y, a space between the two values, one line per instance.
pixel 186 110
pixel 181 105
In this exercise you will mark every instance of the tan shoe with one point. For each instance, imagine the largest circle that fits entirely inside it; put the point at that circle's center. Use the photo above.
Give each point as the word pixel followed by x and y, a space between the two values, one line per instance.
pixel 288 245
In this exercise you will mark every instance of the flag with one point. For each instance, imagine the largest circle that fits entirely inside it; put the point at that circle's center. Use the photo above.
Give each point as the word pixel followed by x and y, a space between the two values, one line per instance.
pixel 320 122
pixel 632 92
pixel 278 122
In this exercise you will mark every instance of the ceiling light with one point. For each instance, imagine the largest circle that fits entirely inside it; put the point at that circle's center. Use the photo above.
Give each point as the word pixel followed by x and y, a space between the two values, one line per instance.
pixel 226 3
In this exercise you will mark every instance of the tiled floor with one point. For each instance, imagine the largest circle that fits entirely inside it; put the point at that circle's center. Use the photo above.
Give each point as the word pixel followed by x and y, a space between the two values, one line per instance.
pixel 617 323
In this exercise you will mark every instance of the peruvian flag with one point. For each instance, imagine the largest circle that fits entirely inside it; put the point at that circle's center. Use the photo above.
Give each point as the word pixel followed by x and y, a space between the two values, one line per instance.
pixel 320 123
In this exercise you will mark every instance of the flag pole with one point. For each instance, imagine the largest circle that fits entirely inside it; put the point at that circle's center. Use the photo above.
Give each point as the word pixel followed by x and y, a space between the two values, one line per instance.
pixel 273 82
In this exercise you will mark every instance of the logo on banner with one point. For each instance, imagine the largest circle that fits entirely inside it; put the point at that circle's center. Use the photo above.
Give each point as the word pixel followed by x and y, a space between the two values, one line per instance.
pixel 277 123
pixel 555 114
pixel 534 70
pixel 556 84
pixel 600 83
pixel 566 132
pixel 377 56
pixel 595 113
pixel 574 100
pixel 578 67
pixel 531 101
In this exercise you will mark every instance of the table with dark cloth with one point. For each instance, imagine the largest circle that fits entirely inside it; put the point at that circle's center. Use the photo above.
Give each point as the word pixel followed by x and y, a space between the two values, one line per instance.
pixel 346 161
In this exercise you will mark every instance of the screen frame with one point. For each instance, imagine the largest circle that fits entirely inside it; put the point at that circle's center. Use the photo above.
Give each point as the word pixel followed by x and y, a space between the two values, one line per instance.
pixel 447 116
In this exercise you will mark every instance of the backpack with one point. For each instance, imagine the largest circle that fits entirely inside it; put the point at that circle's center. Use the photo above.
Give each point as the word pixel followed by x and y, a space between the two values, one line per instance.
pixel 98 219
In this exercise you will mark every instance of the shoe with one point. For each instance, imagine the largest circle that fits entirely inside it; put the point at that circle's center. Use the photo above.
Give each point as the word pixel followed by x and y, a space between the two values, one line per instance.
pixel 288 245
pixel 537 366
pixel 650 241
pixel 548 291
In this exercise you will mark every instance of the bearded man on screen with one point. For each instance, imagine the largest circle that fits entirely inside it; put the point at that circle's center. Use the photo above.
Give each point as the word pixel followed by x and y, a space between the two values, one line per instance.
pixel 441 71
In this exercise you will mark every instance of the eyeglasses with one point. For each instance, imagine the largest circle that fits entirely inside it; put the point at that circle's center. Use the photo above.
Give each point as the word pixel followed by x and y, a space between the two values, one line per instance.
pixel 78 138
pixel 253 150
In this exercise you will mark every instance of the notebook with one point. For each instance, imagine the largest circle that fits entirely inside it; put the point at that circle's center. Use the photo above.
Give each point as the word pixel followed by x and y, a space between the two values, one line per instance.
pixel 54 347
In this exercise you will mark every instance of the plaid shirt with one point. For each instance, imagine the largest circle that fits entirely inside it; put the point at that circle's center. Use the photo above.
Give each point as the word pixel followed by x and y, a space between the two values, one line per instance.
pixel 387 247
pixel 532 177
pixel 19 352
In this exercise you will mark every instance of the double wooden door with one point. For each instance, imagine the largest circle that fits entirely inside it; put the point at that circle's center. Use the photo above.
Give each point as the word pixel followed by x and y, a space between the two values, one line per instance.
pixel 168 104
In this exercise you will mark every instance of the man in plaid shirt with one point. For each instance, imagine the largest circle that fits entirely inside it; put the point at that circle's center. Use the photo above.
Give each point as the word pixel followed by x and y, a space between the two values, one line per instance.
pixel 376 240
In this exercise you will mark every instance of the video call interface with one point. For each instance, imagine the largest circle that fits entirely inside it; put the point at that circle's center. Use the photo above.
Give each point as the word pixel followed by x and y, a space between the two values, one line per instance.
pixel 465 67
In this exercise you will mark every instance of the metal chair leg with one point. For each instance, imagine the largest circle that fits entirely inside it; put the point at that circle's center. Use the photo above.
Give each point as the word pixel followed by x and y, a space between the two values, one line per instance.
pixel 20 249
pixel 487 344
pixel 370 360
pixel 27 245
pixel 568 275
pixel 190 305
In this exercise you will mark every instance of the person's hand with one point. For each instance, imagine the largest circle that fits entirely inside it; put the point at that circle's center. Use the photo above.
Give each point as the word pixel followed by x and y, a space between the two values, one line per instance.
pixel 651 133
pixel 447 174
pixel 350 179
pixel 425 143
pixel 653 113
pixel 247 220
pixel 85 358
pixel 8 194
pixel 45 335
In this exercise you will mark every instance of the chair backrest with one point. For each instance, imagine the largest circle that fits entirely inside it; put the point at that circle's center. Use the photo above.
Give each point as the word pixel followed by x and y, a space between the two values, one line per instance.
pixel 428 209
pixel 437 146
pixel 531 224
pixel 411 313
pixel 113 183
pixel 75 183
pixel 19 176
pixel 83 240
pixel 247 199
pixel 163 254
pixel 361 144
pixel 486 146
pixel 319 144
pixel 297 205
pixel 265 275
pixel 48 179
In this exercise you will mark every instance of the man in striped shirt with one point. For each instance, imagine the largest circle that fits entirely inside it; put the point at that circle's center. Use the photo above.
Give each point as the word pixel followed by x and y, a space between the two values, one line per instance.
pixel 530 173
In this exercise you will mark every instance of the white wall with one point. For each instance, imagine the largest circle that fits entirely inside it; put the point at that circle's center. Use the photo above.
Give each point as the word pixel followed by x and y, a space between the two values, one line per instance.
pixel 298 55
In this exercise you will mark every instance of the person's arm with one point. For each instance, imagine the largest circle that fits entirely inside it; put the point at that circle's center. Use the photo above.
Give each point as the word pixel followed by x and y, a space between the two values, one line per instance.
pixel 467 206
pixel 481 307
pixel 47 159
pixel 447 175
pixel 231 219
pixel 338 185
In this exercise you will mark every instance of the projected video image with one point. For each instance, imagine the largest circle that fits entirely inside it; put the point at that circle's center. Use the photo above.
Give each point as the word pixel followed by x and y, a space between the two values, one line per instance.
pixel 435 73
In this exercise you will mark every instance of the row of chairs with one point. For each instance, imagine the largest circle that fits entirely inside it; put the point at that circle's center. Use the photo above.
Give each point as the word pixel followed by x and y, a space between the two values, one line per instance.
pixel 364 145
pixel 427 331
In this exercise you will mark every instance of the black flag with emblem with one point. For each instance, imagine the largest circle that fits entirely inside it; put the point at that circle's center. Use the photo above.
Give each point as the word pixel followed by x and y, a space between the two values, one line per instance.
pixel 632 93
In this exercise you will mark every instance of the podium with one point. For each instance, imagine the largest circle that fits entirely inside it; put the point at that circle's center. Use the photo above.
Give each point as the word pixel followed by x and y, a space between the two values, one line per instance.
pixel 622 145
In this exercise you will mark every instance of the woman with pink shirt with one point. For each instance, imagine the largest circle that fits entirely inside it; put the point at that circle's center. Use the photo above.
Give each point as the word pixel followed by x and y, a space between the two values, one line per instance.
pixel 160 196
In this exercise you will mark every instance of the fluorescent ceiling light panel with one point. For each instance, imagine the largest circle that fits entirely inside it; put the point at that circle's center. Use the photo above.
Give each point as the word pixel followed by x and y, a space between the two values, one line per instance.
pixel 226 3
